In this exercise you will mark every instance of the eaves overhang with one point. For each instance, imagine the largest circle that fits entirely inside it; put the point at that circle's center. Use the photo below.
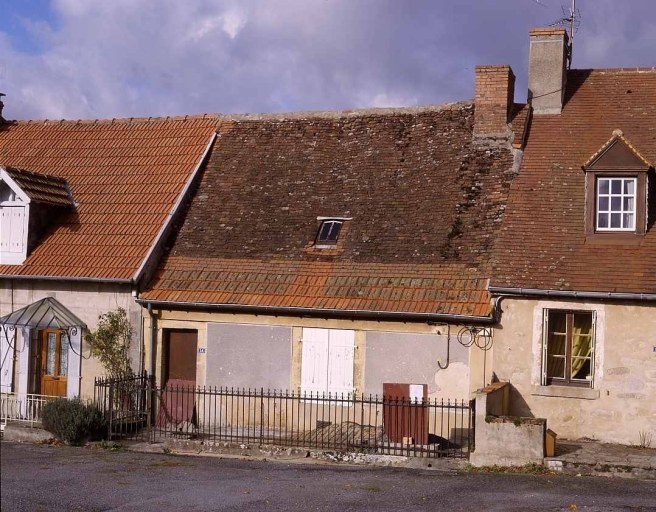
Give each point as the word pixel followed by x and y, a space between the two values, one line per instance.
pixel 351 314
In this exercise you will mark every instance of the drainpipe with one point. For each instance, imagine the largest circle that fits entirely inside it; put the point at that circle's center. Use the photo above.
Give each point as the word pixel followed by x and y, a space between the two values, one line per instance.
pixel 153 331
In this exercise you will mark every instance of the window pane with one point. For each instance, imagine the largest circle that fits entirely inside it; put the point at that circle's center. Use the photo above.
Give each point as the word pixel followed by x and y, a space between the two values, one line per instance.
pixel 628 204
pixel 629 186
pixel 50 353
pixel 616 186
pixel 603 220
pixel 329 231
pixel 615 220
pixel 603 186
pixel 63 356
pixel 556 347
pixel 628 220
pixel 615 204
pixel 581 345
pixel 324 231
pixel 603 204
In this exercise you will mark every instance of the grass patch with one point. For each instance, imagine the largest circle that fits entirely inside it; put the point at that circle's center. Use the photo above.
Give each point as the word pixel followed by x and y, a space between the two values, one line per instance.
pixel 527 469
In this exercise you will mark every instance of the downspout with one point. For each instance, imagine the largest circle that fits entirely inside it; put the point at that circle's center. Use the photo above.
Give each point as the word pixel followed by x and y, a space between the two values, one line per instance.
pixel 153 331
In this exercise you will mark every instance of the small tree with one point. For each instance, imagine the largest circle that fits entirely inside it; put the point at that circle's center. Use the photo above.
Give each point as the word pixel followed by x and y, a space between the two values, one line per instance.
pixel 110 343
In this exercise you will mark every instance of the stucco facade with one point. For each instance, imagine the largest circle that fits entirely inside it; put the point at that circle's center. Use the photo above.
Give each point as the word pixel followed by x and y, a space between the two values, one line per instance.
pixel 85 300
pixel 266 351
pixel 619 405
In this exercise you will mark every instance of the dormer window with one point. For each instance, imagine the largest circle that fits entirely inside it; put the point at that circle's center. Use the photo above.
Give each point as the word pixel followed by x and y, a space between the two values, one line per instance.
pixel 328 233
pixel 616 204
pixel 616 191
pixel 28 202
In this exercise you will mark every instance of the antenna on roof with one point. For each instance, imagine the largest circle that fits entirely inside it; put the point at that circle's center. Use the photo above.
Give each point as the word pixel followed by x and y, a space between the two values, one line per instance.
pixel 573 19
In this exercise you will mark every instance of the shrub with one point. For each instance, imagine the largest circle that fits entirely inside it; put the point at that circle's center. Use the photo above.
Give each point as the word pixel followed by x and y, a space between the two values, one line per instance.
pixel 73 421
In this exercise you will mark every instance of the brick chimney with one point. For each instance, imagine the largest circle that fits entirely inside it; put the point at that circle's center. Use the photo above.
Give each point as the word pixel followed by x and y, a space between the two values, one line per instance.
pixel 547 69
pixel 494 95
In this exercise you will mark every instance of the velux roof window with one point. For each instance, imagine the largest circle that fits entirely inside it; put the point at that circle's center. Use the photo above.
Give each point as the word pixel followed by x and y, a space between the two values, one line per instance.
pixel 328 233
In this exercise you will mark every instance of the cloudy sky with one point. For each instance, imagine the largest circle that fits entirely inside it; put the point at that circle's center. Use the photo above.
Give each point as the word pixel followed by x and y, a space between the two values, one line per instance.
pixel 121 58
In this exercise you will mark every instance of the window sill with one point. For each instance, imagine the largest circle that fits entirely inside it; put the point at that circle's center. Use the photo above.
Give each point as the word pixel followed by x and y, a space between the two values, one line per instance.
pixel 566 392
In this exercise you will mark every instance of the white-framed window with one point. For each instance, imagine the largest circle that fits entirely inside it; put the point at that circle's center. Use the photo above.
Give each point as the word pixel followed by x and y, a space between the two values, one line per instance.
pixel 616 204
pixel 568 347
pixel 327 361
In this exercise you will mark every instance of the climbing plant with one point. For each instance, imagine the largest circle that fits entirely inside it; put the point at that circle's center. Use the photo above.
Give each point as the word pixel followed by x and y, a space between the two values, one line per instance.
pixel 110 343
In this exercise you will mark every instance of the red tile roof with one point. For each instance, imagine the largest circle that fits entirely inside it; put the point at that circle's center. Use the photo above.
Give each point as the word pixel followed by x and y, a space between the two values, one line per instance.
pixel 125 176
pixel 543 243
pixel 41 188
pixel 424 200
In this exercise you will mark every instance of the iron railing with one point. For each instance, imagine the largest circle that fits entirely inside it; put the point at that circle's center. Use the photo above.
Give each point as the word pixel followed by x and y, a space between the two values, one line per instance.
pixel 22 407
pixel 137 409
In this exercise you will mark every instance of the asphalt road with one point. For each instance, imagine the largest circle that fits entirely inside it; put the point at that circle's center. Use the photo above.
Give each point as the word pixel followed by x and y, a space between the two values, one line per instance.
pixel 50 478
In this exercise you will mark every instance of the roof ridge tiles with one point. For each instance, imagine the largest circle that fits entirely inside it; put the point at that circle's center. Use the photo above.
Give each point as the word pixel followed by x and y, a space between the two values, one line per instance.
pixel 339 114
pixel 122 120
pixel 636 69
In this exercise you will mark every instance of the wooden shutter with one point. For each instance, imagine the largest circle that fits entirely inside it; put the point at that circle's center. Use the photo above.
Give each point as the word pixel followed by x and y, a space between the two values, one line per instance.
pixel 340 361
pixel 12 226
pixel 314 363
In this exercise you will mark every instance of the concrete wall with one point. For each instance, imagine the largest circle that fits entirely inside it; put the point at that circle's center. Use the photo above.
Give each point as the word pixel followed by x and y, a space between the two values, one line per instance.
pixel 384 351
pixel 622 402
pixel 87 301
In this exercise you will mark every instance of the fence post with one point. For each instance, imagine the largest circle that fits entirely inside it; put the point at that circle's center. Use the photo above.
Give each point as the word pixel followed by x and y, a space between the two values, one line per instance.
pixel 110 410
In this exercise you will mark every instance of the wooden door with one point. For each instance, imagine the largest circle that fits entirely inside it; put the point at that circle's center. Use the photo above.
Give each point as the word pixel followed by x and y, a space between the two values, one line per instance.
pixel 54 363
pixel 179 398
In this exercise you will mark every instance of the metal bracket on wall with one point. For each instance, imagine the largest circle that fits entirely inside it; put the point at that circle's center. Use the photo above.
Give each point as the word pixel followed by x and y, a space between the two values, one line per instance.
pixel 468 336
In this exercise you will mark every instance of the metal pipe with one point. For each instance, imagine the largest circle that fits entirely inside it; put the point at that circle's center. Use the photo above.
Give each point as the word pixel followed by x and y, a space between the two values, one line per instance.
pixel 536 292
pixel 331 313
pixel 152 340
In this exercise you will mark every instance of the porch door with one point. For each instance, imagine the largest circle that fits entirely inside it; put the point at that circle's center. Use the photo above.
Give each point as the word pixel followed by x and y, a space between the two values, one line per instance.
pixel 54 362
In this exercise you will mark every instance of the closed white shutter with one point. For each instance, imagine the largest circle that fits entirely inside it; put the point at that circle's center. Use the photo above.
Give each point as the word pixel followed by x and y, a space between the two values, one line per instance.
pixel 314 364
pixel 8 339
pixel 340 361
pixel 16 229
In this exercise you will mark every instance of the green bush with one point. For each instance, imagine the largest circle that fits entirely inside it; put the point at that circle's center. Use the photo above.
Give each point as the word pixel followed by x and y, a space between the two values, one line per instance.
pixel 73 421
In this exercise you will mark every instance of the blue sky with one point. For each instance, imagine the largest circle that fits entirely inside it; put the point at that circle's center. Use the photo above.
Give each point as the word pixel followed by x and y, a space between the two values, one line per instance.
pixel 121 58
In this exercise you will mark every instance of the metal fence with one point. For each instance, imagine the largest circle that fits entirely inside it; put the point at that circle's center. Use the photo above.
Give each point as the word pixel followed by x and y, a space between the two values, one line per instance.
pixel 136 408
pixel 22 407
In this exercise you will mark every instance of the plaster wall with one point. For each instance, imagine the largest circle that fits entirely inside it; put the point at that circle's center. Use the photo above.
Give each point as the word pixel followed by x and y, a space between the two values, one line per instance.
pixel 413 359
pixel 249 356
pixel 87 301
pixel 384 351
pixel 622 401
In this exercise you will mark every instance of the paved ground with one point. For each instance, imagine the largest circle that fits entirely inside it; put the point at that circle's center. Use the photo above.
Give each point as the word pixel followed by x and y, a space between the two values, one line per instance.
pixel 50 478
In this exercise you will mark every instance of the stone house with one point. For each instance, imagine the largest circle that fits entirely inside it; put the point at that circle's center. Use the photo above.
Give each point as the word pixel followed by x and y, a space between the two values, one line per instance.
pixel 576 269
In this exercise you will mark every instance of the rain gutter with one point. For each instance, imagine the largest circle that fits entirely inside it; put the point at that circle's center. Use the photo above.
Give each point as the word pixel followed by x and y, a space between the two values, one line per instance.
pixel 76 279
pixel 572 294
pixel 350 314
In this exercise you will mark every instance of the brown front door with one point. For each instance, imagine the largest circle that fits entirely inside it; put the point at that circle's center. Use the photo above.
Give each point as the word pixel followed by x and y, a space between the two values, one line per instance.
pixel 54 363
pixel 179 400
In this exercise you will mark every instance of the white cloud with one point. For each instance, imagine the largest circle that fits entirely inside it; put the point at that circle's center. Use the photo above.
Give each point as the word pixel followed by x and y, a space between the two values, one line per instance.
pixel 115 58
